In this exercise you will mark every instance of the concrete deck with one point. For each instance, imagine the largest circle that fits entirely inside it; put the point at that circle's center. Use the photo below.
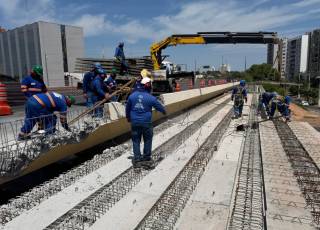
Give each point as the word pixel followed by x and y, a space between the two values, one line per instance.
pixel 286 207
pixel 130 210
pixel 208 207
pixel 61 202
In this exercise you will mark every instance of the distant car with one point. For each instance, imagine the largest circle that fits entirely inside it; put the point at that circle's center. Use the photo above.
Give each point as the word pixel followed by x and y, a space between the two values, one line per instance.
pixel 304 103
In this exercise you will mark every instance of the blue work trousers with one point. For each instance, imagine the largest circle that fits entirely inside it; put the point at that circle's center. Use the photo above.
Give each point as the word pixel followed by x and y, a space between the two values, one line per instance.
pixel 35 113
pixel 237 108
pixel 281 107
pixel 138 131
pixel 89 102
pixel 98 112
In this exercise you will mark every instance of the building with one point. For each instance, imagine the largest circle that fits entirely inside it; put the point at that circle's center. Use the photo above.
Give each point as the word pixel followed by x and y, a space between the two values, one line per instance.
pixel 314 54
pixel 272 51
pixel 284 58
pixel 51 45
pixel 225 68
pixel 297 56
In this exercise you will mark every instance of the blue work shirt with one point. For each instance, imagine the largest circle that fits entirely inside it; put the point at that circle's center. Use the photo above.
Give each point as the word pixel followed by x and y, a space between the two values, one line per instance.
pixel 139 107
pixel 239 91
pixel 119 54
pixel 266 98
pixel 99 87
pixel 51 101
pixel 87 81
pixel 138 86
pixel 31 86
pixel 111 83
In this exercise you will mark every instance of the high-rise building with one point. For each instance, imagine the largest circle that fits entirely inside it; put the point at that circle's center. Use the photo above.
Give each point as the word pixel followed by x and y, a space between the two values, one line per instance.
pixel 283 58
pixel 272 51
pixel 51 45
pixel 297 56
pixel 314 54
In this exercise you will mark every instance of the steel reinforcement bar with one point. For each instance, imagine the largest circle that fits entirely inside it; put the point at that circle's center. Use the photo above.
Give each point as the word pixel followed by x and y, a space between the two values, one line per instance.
pixel 304 168
pixel 166 211
pixel 87 211
pixel 248 211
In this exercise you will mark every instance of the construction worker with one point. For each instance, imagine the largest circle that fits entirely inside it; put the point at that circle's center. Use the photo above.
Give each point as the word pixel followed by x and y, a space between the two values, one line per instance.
pixel 139 114
pixel 112 84
pixel 87 83
pixel 41 108
pixel 239 95
pixel 281 104
pixel 264 102
pixel 33 84
pixel 100 91
pixel 119 55
pixel 144 73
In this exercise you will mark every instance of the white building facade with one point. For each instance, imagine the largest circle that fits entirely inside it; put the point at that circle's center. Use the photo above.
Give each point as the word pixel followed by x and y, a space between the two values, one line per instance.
pixel 51 45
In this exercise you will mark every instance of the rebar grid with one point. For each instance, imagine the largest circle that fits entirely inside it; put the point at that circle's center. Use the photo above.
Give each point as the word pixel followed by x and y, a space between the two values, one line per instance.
pixel 15 155
pixel 304 168
pixel 248 210
pixel 107 196
pixel 167 209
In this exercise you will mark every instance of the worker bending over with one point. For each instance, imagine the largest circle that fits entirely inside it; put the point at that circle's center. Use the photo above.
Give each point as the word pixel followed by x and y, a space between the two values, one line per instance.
pixel 265 100
pixel 87 83
pixel 33 84
pixel 239 95
pixel 100 92
pixel 119 55
pixel 280 104
pixel 42 108
pixel 139 114
pixel 112 84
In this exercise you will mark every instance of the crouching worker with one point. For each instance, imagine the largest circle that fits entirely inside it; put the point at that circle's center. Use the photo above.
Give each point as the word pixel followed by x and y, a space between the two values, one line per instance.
pixel 280 104
pixel 139 113
pixel 43 108
pixel 264 102
pixel 239 95
pixel 100 92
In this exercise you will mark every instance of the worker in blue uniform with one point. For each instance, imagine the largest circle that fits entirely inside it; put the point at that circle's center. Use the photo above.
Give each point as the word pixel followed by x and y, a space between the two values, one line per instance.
pixel 100 91
pixel 265 100
pixel 119 55
pixel 139 114
pixel 239 95
pixel 42 107
pixel 87 83
pixel 280 104
pixel 33 84
pixel 112 84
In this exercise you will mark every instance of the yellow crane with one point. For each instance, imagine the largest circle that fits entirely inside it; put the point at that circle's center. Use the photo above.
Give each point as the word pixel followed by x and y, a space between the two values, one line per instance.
pixel 213 37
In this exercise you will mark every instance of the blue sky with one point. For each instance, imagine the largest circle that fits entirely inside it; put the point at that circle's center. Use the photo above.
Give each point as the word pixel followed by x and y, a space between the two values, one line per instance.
pixel 139 23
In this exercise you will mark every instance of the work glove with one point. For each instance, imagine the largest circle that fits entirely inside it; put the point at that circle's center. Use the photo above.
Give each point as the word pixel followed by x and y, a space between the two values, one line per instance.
pixel 85 96
pixel 246 99
pixel 66 126
pixel 107 96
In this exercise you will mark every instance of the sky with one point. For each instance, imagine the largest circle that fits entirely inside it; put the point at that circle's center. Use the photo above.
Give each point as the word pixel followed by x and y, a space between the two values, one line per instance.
pixel 139 23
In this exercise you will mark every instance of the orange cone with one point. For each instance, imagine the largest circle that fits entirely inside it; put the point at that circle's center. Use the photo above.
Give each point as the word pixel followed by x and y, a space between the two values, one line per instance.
pixel 5 109
pixel 178 88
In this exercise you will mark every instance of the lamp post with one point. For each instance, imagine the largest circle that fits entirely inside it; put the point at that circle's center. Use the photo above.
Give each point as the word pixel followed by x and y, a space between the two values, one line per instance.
pixel 299 86
pixel 319 91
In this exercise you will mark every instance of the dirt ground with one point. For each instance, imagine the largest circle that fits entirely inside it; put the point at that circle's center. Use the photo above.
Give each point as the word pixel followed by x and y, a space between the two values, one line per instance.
pixel 300 114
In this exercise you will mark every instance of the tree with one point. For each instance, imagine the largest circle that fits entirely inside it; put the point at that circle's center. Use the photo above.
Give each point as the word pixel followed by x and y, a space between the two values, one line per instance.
pixel 263 72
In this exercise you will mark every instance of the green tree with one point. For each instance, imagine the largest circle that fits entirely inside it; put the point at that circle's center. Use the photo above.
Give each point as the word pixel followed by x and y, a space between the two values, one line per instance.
pixel 263 72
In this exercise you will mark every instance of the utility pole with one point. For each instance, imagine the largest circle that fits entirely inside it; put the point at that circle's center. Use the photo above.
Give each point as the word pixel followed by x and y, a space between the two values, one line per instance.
pixel 245 63
pixel 195 65
pixel 319 91
pixel 299 86
pixel 309 82
pixel 45 59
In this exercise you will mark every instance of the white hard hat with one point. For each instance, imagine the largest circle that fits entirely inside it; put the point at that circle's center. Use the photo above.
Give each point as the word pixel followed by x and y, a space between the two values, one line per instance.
pixel 145 80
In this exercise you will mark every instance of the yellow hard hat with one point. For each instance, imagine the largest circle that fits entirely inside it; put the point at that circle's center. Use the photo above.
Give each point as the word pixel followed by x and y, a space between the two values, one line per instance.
pixel 145 73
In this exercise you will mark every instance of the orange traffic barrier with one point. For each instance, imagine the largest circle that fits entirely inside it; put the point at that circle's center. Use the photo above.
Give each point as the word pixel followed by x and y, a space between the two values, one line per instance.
pixel 190 84
pixel 178 87
pixel 5 109
pixel 202 83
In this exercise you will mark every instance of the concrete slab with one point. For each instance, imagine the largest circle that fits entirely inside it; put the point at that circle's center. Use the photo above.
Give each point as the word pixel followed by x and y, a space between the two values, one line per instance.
pixel 135 205
pixel 63 201
pixel 286 207
pixel 309 138
pixel 208 207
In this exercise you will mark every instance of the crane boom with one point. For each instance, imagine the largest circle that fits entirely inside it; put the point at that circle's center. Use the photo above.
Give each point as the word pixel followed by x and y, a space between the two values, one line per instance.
pixel 210 37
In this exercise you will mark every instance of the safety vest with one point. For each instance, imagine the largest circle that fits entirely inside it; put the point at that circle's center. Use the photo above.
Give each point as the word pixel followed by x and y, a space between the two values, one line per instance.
pixel 238 96
pixel 53 104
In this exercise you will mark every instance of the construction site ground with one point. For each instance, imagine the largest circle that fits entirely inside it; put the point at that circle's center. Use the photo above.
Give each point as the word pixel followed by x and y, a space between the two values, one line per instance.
pixel 301 114
pixel 212 172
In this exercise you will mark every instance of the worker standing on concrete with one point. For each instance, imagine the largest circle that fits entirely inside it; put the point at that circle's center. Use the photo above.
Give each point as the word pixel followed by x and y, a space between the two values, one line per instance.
pixel 239 95
pixel 87 83
pixel 112 84
pixel 139 114
pixel 119 55
pixel 280 104
pixel 100 91
pixel 41 107
pixel 33 84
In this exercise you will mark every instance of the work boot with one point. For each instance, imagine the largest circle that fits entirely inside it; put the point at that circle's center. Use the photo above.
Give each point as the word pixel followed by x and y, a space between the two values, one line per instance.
pixel 148 163
pixel 136 163
pixel 23 136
